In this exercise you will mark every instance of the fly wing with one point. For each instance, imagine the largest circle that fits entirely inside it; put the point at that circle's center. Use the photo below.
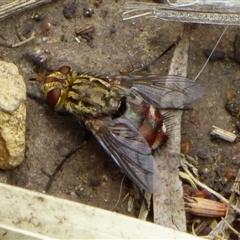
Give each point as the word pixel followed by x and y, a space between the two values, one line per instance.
pixel 164 92
pixel 168 91
pixel 129 149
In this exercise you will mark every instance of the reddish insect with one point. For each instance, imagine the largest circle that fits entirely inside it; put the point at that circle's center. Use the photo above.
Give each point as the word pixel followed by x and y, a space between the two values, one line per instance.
pixel 123 113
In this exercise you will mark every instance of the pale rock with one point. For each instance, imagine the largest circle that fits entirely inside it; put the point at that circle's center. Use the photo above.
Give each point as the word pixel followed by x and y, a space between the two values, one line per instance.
pixel 12 116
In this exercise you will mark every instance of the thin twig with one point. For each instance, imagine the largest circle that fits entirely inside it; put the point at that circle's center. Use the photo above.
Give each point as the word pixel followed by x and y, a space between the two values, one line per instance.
pixel 230 227
pixel 119 195
pixel 144 210
pixel 24 41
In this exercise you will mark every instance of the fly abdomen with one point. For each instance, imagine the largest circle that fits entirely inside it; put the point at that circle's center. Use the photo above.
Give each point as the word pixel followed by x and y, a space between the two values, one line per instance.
pixel 149 122
pixel 153 128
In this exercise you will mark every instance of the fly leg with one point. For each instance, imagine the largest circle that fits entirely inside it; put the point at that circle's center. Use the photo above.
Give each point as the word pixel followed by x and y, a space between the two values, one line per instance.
pixel 58 168
pixel 146 67
pixel 66 157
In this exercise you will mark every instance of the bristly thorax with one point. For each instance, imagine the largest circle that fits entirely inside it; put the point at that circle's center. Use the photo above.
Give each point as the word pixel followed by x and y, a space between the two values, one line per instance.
pixel 83 95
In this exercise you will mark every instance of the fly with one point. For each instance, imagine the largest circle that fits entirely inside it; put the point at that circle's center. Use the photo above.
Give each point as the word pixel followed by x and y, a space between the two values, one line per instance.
pixel 123 113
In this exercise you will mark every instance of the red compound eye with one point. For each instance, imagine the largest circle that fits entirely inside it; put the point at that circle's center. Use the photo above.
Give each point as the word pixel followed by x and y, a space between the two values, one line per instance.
pixel 65 70
pixel 53 97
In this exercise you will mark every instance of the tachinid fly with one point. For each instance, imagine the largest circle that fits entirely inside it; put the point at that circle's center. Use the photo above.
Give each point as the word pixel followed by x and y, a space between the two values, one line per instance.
pixel 123 114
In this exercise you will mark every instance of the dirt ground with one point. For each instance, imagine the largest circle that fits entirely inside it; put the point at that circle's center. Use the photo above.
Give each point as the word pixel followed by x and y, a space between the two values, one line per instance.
pixel 90 176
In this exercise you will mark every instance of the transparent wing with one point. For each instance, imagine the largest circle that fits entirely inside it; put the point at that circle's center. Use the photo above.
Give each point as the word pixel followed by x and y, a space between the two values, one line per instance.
pixel 129 149
pixel 164 91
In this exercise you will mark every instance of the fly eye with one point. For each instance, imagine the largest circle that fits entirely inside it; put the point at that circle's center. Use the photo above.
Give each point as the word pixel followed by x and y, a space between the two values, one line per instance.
pixel 65 70
pixel 53 97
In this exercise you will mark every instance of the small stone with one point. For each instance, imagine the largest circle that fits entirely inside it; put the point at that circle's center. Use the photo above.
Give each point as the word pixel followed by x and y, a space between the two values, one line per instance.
pixel 203 154
pixel 88 12
pixel 12 116
pixel 69 10
pixel 216 55
pixel 95 181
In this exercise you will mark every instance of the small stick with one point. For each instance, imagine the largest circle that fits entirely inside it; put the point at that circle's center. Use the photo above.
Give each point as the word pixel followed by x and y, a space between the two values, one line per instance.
pixel 144 210
pixel 230 227
pixel 221 14
pixel 24 41
pixel 120 193
pixel 236 185
pixel 223 134
pixel 19 6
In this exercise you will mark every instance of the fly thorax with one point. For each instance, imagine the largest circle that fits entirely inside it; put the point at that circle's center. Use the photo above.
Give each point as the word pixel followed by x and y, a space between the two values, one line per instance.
pixel 92 97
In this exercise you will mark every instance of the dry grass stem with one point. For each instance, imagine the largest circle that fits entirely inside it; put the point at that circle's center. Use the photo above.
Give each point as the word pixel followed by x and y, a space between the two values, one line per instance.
pixel 19 6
